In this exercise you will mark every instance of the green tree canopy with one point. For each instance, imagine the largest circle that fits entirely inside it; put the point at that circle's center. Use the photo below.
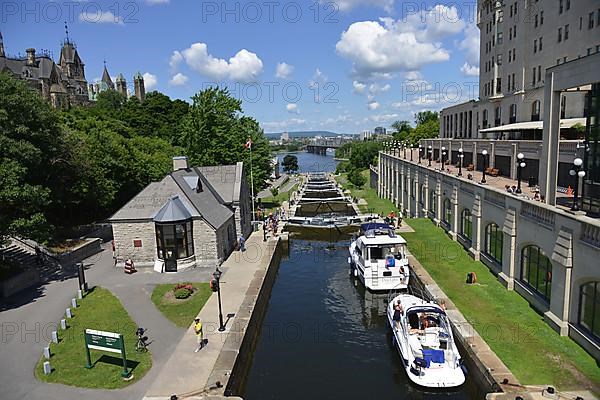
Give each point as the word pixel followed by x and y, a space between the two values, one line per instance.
pixel 290 163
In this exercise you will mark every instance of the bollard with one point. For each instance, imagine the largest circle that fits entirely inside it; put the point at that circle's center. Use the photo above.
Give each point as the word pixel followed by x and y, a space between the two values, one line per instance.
pixel 79 294
pixel 54 336
pixel 47 368
pixel 68 312
pixel 47 352
pixel 74 303
pixel 63 324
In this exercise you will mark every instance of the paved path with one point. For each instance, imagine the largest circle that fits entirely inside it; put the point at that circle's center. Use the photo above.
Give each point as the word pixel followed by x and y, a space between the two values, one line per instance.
pixel 26 322
pixel 188 372
pixel 278 182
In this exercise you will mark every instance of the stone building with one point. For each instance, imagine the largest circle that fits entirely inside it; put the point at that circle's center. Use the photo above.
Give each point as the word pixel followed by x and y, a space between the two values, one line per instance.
pixel 120 85
pixel 63 84
pixel 192 217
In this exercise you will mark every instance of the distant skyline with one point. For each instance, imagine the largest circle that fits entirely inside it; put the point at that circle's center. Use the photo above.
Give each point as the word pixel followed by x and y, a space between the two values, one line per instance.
pixel 342 66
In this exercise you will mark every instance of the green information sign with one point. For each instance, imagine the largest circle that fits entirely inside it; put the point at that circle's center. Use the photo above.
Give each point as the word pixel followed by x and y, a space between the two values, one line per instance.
pixel 105 341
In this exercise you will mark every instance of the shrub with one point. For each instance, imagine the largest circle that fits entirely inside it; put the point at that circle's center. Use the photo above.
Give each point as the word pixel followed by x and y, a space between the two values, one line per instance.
pixel 182 293
pixel 342 167
pixel 185 285
pixel 356 178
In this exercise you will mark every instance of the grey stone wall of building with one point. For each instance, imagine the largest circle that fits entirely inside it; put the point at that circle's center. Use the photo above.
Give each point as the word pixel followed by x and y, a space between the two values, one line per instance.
pixel 374 181
pixel 124 234
pixel 571 242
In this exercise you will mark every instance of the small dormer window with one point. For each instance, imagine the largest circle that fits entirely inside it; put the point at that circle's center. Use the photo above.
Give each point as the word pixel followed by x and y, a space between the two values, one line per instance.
pixel 194 182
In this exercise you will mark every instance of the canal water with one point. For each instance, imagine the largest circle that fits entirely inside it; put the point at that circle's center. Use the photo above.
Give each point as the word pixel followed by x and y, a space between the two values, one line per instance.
pixel 309 162
pixel 324 336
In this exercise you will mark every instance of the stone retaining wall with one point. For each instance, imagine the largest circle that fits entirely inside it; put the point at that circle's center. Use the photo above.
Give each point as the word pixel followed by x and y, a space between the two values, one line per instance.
pixel 19 282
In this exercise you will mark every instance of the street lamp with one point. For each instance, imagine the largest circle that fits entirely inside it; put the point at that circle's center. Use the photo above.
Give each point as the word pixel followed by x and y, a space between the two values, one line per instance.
pixel 411 151
pixel 578 173
pixel 484 153
pixel 404 148
pixel 420 151
pixel 442 158
pixel 520 165
pixel 430 151
pixel 460 161
pixel 216 287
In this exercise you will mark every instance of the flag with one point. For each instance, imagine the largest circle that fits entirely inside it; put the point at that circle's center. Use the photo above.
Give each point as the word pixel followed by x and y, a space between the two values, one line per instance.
pixel 248 144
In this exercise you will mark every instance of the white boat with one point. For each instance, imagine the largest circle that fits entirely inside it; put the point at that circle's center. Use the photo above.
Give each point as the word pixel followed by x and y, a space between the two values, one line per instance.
pixel 424 339
pixel 378 258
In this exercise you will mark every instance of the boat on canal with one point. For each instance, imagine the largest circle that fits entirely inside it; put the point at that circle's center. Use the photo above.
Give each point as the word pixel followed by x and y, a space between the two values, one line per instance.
pixel 423 336
pixel 378 258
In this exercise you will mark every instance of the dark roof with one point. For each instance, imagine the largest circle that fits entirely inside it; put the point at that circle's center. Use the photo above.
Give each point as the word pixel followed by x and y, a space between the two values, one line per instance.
pixel 226 180
pixel 174 210
pixel 106 77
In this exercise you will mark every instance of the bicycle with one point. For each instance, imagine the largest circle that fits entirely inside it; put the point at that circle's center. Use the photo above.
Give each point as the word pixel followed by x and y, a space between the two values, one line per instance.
pixel 141 345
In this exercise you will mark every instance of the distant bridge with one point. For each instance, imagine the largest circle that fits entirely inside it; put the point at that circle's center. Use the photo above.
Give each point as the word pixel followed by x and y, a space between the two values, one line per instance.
pixel 320 145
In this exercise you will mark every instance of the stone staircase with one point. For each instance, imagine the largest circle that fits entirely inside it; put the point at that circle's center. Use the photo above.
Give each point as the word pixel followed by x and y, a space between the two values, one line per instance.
pixel 23 254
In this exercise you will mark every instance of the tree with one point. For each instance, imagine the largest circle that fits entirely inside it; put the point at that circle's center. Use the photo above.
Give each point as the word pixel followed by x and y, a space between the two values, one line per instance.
pixel 362 154
pixel 424 116
pixel 402 130
pixel 429 128
pixel 356 178
pixel 31 144
pixel 290 163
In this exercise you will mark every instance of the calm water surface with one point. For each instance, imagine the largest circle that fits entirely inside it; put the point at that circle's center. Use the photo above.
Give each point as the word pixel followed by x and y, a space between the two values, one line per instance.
pixel 323 337
pixel 309 162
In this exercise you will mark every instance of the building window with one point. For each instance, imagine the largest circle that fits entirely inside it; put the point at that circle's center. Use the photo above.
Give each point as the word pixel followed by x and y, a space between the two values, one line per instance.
pixel 499 59
pixel 568 7
pixel 559 35
pixel 447 213
pixel 422 194
pixel 536 271
pixel 174 241
pixel 497 116
pixel 513 114
pixel 499 85
pixel 560 6
pixel 566 32
pixel 541 18
pixel 589 308
pixel 514 32
pixel 513 82
pixel 533 77
pixel 535 111
pixel 466 224
pixel 591 20
pixel 535 46
pixel 516 8
pixel 494 240
pixel 539 73
pixel 432 202
pixel 484 119
pixel 540 41
pixel 536 21
pixel 563 106
pixel 500 38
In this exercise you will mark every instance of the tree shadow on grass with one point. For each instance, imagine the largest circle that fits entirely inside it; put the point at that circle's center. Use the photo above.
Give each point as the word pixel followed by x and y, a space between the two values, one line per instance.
pixel 116 361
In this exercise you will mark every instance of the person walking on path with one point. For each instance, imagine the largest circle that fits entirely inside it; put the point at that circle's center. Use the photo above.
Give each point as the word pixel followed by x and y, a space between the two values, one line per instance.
pixel 199 334
pixel 242 241
pixel 264 227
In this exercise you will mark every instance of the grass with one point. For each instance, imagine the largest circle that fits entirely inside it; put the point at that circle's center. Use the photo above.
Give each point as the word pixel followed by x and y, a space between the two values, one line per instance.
pixel 375 203
pixel 272 202
pixel 98 310
pixel 181 313
pixel 528 346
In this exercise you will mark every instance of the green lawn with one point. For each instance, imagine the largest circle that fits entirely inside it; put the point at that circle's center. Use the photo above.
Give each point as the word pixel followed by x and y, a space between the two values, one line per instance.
pixel 98 310
pixel 532 350
pixel 181 312
pixel 272 202
pixel 375 203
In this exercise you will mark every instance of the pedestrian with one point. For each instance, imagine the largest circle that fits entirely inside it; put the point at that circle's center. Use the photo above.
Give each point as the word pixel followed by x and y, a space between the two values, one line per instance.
pixel 242 241
pixel 199 334
pixel 264 231
pixel 398 311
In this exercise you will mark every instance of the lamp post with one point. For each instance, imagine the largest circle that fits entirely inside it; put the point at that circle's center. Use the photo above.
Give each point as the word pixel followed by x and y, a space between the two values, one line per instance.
pixel 420 151
pixel 484 153
pixel 460 161
pixel 217 282
pixel 442 158
pixel 430 151
pixel 411 155
pixel 520 165
pixel 577 172
pixel 404 148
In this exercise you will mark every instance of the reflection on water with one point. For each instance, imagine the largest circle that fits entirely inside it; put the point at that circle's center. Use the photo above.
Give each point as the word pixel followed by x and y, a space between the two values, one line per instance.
pixel 324 337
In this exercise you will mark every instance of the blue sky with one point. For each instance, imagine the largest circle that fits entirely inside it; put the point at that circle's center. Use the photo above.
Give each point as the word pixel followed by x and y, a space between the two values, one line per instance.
pixel 343 66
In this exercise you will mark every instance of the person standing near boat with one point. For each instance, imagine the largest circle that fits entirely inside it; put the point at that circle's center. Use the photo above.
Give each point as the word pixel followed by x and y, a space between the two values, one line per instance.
pixel 398 311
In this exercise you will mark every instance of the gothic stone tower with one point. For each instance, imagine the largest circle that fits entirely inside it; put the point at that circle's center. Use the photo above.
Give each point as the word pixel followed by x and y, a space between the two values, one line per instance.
pixel 138 84
pixel 121 85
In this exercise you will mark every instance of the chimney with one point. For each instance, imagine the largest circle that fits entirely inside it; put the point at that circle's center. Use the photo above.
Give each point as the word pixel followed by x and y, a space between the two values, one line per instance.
pixel 30 56
pixel 180 162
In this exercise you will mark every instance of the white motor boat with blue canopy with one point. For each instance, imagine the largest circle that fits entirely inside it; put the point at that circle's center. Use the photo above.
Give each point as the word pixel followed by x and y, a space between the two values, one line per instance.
pixel 378 258
pixel 423 336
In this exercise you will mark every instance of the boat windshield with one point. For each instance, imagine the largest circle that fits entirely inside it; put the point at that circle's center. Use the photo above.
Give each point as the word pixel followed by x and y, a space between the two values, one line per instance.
pixel 382 252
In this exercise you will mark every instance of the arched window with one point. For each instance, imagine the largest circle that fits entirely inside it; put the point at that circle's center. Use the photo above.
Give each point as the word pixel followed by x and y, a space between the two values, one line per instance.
pixel 494 240
pixel 589 308
pixel 535 110
pixel 432 201
pixel 466 224
pixel 447 212
pixel 536 270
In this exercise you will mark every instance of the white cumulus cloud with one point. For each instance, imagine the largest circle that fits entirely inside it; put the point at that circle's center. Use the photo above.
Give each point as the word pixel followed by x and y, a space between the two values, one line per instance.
pixel 470 44
pixel 178 79
pixel 388 46
pixel 469 70
pixel 373 105
pixel 100 17
pixel 347 5
pixel 283 70
pixel 292 108
pixel 244 66
pixel 175 60
pixel 150 81
pixel 359 87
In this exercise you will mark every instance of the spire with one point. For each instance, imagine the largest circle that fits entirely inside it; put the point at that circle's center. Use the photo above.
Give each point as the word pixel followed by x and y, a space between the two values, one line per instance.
pixel 106 77
pixel 67 33
pixel 138 86
pixel 1 46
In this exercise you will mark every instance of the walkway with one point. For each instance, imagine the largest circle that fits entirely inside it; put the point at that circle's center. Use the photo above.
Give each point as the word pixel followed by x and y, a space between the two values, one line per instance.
pixel 190 373
pixel 27 319
pixel 276 184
